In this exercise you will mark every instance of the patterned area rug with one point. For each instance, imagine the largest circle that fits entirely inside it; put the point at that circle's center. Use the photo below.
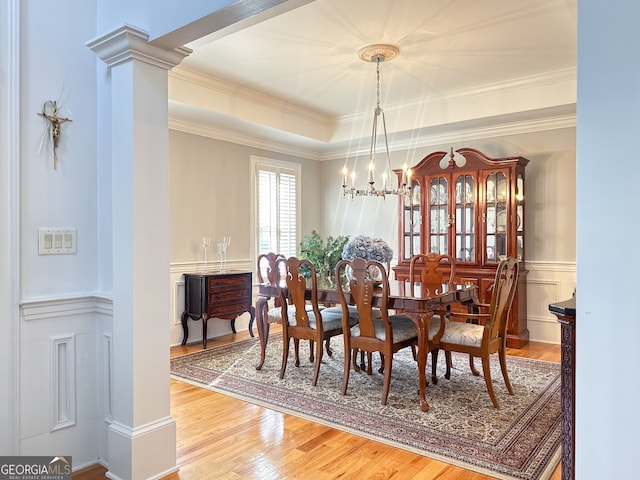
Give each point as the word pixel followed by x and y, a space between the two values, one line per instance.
pixel 521 440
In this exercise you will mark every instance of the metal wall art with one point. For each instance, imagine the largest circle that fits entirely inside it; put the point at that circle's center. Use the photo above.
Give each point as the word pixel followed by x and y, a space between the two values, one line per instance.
pixel 53 123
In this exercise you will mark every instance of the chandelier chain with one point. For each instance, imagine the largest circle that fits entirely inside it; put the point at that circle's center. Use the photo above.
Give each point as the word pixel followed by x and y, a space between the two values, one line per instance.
pixel 378 54
pixel 378 84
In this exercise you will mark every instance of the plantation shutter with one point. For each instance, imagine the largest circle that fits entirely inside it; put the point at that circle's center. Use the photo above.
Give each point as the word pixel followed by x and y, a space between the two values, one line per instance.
pixel 277 209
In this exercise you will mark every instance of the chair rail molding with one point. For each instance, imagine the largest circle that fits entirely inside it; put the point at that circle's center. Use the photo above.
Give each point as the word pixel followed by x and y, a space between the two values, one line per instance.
pixel 44 308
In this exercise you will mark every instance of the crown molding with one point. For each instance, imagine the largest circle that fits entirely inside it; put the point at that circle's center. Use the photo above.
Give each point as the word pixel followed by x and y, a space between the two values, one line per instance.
pixel 130 43
pixel 406 141
pixel 464 132
pixel 232 136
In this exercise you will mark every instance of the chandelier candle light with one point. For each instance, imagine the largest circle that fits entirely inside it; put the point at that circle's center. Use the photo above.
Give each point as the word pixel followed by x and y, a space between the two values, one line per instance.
pixel 377 54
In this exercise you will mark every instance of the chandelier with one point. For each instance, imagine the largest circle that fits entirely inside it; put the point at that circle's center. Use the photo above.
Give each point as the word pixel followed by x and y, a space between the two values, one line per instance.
pixel 377 54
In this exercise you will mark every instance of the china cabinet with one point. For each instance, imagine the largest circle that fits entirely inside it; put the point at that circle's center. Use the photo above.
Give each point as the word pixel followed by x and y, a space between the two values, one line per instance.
pixel 474 211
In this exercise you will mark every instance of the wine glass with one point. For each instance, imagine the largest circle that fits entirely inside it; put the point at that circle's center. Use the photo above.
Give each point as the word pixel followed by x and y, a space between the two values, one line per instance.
pixel 226 241
pixel 221 252
pixel 206 243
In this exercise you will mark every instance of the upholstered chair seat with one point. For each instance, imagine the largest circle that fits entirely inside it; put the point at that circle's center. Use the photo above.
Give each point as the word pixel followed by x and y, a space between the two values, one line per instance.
pixel 330 320
pixel 403 328
pixel 460 333
pixel 274 315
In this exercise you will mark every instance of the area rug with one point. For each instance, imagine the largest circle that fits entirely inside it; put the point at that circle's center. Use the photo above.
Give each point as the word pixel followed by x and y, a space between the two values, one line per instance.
pixel 521 440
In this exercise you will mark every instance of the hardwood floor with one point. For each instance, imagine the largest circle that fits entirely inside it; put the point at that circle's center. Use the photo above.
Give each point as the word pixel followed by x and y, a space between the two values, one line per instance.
pixel 219 437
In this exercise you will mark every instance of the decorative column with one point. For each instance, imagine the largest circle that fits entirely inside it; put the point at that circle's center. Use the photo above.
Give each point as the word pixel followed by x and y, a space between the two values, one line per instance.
pixel 141 439
pixel 566 313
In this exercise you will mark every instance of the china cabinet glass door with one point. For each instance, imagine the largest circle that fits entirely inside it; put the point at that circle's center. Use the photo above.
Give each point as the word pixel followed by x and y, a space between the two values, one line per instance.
pixel 465 213
pixel 520 217
pixel 412 221
pixel 439 217
pixel 496 216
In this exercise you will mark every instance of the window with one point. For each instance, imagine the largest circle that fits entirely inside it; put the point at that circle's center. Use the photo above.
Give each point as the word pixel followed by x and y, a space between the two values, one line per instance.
pixel 277 199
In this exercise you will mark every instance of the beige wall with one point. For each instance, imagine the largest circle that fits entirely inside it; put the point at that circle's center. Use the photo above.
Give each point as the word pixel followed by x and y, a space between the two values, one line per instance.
pixel 210 182
pixel 210 196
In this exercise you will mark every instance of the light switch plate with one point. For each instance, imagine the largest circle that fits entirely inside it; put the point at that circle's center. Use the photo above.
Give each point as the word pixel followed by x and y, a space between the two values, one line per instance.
pixel 57 241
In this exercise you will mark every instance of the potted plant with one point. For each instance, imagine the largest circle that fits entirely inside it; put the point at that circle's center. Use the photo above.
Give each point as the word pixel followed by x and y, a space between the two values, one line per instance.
pixel 324 254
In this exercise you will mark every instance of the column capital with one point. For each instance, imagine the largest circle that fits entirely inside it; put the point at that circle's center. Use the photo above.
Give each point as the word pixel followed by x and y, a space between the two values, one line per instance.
pixel 128 43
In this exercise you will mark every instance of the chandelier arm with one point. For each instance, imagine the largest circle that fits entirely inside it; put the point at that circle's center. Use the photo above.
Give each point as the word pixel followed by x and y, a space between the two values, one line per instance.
pixel 374 134
pixel 386 144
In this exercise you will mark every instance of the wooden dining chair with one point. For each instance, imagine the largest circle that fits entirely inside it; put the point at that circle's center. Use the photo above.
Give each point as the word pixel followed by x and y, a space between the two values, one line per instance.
pixel 375 332
pixel 302 318
pixel 267 273
pixel 431 274
pixel 483 334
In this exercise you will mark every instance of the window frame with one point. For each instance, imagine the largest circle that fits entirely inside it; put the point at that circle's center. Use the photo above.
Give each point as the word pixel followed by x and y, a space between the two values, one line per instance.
pixel 265 163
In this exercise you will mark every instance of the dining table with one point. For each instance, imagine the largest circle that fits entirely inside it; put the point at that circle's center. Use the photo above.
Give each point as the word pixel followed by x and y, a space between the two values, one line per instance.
pixel 423 307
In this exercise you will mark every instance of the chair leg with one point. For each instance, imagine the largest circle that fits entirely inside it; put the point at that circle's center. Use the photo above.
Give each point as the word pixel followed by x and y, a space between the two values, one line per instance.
pixel 328 346
pixel 311 356
pixel 503 365
pixel 387 378
pixel 414 352
pixel 434 365
pixel 356 367
pixel 472 366
pixel 447 357
pixel 486 371
pixel 347 367
pixel 363 364
pixel 381 369
pixel 296 349
pixel 316 370
pixel 285 355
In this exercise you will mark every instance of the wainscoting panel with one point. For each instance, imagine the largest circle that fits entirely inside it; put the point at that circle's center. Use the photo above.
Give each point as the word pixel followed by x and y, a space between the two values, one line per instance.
pixel 107 375
pixel 61 375
pixel 547 282
pixel 62 385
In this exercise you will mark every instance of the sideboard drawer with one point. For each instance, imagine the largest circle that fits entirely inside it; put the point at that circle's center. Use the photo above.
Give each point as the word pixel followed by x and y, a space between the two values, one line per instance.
pixel 229 282
pixel 223 297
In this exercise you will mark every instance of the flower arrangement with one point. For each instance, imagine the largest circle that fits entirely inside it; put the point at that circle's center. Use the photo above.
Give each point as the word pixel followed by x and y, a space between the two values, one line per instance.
pixel 368 248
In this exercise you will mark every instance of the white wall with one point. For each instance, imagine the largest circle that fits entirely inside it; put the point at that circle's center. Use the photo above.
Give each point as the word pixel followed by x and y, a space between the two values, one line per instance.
pixel 607 419
pixel 54 350
pixel 9 152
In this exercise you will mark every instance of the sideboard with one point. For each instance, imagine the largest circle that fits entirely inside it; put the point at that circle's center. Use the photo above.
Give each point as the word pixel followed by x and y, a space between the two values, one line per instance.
pixel 216 295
